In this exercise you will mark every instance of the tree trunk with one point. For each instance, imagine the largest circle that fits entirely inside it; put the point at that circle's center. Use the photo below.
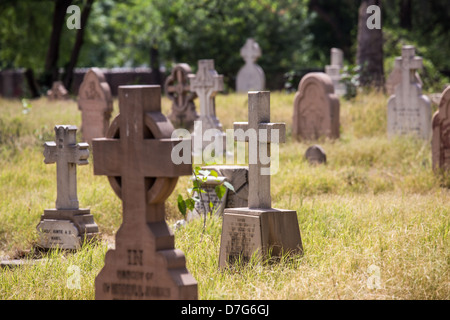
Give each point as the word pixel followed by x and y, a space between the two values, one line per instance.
pixel 406 14
pixel 51 61
pixel 154 64
pixel 68 77
pixel 32 84
pixel 370 49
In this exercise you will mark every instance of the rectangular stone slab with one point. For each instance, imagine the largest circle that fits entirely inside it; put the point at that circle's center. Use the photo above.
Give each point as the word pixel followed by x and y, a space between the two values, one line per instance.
pixel 58 233
pixel 248 231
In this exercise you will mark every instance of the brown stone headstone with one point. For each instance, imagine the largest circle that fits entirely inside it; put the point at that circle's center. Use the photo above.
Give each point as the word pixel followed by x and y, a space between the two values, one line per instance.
pixel 316 108
pixel 96 104
pixel 258 229
pixel 440 140
pixel 136 158
pixel 57 92
pixel 177 89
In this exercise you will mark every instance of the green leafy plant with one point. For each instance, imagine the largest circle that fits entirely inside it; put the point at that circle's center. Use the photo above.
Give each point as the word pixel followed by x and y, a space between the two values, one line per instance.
pixel 197 193
pixel 350 78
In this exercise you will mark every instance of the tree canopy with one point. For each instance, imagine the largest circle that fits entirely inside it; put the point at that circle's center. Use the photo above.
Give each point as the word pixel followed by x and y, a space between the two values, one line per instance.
pixel 295 35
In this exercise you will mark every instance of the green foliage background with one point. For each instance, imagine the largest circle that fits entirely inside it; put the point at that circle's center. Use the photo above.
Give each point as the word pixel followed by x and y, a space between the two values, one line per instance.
pixel 295 35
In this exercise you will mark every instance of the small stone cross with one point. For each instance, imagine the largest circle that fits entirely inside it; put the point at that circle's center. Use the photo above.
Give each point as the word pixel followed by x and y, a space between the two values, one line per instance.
pixel 206 83
pixel 259 123
pixel 408 63
pixel 177 86
pixel 251 51
pixel 67 154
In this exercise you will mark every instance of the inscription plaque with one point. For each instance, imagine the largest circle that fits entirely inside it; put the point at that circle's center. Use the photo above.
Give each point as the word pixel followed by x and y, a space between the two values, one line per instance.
pixel 241 238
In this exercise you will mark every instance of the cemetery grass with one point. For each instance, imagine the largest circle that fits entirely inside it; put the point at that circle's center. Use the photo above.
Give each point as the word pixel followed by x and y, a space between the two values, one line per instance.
pixel 374 220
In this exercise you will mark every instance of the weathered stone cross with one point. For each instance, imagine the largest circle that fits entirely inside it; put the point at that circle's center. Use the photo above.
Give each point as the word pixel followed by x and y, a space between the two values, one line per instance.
pixel 408 63
pixel 251 51
pixel 136 157
pixel 264 131
pixel 206 83
pixel 67 154
pixel 178 88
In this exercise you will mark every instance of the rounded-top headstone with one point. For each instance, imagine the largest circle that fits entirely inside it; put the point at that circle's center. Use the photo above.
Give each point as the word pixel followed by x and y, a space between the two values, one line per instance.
pixel 316 108
pixel 316 155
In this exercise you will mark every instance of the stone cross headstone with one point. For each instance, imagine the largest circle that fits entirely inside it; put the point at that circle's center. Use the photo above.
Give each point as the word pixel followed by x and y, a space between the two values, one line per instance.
pixel 206 83
pixel 334 71
pixel 96 104
pixel 316 108
pixel 177 89
pixel 66 226
pixel 440 140
pixel 136 158
pixel 259 228
pixel 315 155
pixel 208 197
pixel 395 77
pixel 251 76
pixel 409 112
pixel 57 92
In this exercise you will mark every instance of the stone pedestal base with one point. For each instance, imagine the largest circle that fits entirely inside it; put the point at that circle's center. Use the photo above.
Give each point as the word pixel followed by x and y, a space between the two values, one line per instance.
pixel 246 232
pixel 66 229
pixel 145 266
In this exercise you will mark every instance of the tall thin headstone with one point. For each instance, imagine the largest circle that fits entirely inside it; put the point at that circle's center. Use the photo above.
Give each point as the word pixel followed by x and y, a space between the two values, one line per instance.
pixel 251 76
pixel 177 89
pixel 316 108
pixel 440 140
pixel 66 226
pixel 96 105
pixel 136 158
pixel 258 229
pixel 409 111
pixel 334 71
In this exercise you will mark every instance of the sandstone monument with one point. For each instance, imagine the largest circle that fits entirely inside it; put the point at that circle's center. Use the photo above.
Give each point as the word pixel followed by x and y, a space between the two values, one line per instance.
pixel 136 158
pixel 316 108
pixel 96 104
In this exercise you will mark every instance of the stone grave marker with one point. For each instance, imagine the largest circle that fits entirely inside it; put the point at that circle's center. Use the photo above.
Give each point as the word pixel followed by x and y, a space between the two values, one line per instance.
pixel 440 140
pixel 395 77
pixel 409 112
pixel 177 89
pixel 259 229
pixel 66 226
pixel 334 71
pixel 316 108
pixel 136 158
pixel 315 155
pixel 206 83
pixel 96 104
pixel 57 92
pixel 237 176
pixel 209 196
pixel 250 76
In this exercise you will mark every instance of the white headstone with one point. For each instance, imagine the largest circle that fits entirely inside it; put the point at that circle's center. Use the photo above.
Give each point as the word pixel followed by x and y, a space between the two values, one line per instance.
pixel 409 111
pixel 66 226
pixel 251 76
pixel 334 71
